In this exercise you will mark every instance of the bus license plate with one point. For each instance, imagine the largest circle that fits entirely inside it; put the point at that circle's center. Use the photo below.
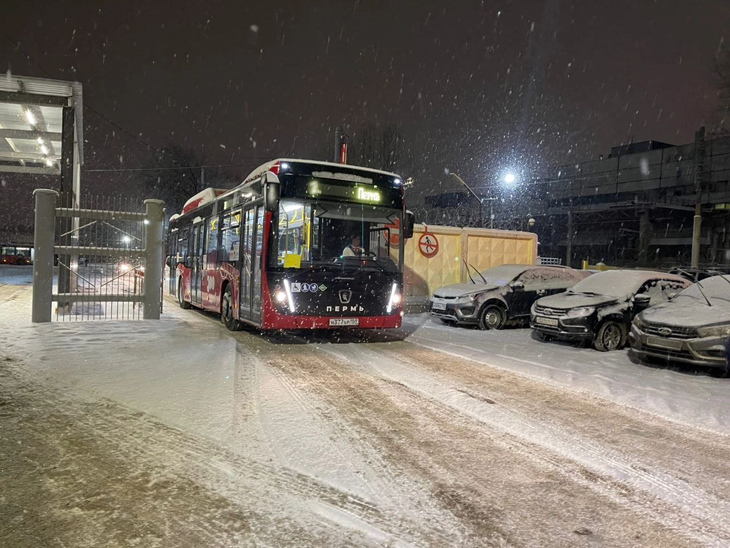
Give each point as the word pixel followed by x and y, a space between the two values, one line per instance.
pixel 342 322
pixel 546 321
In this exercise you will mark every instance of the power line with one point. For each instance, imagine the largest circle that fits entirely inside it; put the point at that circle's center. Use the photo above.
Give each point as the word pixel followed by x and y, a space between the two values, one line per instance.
pixel 123 169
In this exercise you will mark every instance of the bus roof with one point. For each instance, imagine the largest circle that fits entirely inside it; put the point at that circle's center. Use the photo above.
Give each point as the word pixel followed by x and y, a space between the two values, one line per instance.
pixel 267 167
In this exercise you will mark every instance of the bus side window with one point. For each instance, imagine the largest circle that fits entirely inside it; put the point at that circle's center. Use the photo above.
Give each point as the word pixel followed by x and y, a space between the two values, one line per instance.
pixel 182 247
pixel 231 236
pixel 212 247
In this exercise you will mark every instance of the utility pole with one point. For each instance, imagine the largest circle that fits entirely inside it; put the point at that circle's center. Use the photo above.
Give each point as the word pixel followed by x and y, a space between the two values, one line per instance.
pixel 699 165
pixel 569 246
pixel 336 155
pixel 340 151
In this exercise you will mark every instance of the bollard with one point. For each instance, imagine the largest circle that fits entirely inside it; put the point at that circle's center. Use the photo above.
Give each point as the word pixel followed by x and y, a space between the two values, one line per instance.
pixel 153 255
pixel 43 242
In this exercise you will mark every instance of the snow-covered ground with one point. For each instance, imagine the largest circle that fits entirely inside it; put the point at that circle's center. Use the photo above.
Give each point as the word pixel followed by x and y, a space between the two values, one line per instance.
pixel 431 436
pixel 682 393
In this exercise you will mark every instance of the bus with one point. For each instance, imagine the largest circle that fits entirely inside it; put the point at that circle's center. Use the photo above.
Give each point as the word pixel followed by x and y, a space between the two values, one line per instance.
pixel 16 255
pixel 300 244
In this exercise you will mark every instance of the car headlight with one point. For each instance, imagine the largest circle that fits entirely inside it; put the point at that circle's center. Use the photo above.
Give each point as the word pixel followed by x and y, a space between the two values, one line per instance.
pixel 638 321
pixel 467 298
pixel 581 312
pixel 714 331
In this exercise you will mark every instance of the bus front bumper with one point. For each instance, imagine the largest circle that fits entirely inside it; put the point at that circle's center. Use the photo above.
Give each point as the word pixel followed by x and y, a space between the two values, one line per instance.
pixel 392 321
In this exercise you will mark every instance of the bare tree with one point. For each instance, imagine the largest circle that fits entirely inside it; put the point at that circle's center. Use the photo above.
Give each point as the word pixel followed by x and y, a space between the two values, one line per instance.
pixel 173 174
pixel 379 148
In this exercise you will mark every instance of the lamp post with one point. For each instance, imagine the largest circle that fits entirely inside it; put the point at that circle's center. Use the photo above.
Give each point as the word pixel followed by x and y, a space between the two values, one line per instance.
pixel 481 202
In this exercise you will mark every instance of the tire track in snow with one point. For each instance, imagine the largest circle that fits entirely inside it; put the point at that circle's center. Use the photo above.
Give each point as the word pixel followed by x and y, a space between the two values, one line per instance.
pixel 428 440
pixel 276 500
pixel 392 496
pixel 689 509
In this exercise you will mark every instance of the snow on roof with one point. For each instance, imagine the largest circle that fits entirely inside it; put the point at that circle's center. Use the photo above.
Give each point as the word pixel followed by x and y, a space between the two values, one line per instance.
pixel 203 197
pixel 621 282
pixel 267 167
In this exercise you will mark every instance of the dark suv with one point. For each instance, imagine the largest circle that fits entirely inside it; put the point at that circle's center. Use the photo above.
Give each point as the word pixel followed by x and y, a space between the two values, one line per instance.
pixel 600 308
pixel 500 294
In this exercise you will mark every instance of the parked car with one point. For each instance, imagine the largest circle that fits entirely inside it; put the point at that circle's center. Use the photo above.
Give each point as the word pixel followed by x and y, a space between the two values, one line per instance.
pixel 500 294
pixel 693 328
pixel 600 308
pixel 692 274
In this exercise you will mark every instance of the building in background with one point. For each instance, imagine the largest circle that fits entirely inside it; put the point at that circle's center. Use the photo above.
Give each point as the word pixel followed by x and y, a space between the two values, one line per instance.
pixel 634 207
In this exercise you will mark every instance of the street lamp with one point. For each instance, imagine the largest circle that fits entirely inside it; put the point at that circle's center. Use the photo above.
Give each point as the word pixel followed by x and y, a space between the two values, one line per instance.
pixel 455 176
pixel 481 201
pixel 509 178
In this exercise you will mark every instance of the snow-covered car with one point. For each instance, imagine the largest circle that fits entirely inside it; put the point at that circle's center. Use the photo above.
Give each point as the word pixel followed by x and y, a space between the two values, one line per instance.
pixel 500 294
pixel 693 328
pixel 600 308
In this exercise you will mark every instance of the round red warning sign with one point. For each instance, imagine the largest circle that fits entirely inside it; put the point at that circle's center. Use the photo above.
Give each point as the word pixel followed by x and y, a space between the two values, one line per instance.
pixel 428 245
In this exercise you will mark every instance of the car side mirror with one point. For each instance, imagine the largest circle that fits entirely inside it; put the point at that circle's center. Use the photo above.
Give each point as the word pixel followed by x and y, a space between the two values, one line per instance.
pixel 641 302
pixel 518 286
pixel 410 220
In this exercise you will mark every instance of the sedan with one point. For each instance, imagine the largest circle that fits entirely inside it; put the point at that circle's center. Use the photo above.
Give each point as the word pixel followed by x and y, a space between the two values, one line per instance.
pixel 600 309
pixel 500 294
pixel 693 328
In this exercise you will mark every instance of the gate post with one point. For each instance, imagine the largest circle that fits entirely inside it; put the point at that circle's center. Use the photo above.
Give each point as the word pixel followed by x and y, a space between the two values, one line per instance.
pixel 43 242
pixel 153 255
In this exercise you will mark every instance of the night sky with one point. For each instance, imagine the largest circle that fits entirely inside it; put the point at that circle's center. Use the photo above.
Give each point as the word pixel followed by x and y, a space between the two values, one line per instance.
pixel 474 86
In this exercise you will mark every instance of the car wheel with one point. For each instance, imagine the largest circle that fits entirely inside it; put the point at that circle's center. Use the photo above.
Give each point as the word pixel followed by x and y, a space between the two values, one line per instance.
pixel 227 311
pixel 610 336
pixel 492 317
pixel 181 295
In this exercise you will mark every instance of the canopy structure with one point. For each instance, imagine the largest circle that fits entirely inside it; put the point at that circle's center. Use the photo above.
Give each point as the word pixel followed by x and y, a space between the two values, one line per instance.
pixel 41 129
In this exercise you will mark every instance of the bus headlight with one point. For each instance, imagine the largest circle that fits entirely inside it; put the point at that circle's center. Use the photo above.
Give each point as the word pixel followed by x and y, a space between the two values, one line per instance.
pixel 289 296
pixel 395 298
pixel 280 296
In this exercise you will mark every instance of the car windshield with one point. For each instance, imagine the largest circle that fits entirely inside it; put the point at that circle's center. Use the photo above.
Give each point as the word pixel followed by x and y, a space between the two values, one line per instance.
pixel 716 289
pixel 613 283
pixel 500 275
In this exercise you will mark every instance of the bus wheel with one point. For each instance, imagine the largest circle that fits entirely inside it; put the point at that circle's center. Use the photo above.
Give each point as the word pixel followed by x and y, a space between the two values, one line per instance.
pixel 227 311
pixel 181 295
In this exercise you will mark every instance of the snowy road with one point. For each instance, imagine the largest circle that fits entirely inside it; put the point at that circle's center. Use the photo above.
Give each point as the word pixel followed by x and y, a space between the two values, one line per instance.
pixel 178 433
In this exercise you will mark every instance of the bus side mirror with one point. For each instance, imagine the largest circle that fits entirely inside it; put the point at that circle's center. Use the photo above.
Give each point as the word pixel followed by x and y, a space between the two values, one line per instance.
pixel 410 220
pixel 272 192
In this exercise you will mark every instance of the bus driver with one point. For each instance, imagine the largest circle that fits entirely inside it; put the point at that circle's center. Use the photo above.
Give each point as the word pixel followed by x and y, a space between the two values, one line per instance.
pixel 353 249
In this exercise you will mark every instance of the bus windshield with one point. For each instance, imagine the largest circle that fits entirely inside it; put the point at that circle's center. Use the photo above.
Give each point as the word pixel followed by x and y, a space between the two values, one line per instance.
pixel 345 235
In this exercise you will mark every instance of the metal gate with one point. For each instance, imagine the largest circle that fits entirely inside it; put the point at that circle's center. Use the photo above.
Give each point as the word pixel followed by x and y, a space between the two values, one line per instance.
pixel 109 261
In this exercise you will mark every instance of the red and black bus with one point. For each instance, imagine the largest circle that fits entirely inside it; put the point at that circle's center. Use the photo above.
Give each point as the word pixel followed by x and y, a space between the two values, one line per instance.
pixel 16 255
pixel 300 244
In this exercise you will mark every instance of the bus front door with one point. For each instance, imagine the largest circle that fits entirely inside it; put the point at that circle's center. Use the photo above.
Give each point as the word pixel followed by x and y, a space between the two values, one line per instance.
pixel 196 270
pixel 247 255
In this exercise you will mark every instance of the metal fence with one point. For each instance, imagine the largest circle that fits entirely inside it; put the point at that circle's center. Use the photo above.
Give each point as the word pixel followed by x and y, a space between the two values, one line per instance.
pixel 108 259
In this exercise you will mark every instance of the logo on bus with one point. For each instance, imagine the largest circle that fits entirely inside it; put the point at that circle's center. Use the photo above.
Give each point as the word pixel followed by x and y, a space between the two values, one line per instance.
pixel 345 296
pixel 346 308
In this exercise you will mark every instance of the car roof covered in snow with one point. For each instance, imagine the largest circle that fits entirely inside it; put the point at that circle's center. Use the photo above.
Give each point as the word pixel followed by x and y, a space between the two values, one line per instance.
pixel 622 282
